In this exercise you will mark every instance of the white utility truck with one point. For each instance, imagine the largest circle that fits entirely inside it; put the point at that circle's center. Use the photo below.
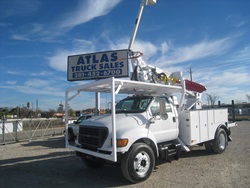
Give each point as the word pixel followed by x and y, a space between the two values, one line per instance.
pixel 150 123
pixel 146 125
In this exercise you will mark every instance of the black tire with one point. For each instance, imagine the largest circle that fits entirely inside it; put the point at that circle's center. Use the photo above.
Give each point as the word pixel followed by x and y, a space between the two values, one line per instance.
pixel 71 136
pixel 208 146
pixel 219 144
pixel 137 164
pixel 92 162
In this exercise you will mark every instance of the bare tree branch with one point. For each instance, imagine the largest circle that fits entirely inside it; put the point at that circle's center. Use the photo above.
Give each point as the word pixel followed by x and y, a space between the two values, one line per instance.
pixel 211 99
pixel 248 98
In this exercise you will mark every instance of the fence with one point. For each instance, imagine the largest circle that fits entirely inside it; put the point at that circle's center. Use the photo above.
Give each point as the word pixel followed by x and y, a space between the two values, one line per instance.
pixel 29 129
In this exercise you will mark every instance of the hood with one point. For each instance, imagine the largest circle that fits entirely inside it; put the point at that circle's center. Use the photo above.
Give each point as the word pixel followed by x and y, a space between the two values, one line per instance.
pixel 121 119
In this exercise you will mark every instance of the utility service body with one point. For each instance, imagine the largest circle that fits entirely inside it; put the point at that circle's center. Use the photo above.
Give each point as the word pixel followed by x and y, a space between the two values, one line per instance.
pixel 98 65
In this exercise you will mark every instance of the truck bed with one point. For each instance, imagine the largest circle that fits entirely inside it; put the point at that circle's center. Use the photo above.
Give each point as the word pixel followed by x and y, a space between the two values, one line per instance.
pixel 197 126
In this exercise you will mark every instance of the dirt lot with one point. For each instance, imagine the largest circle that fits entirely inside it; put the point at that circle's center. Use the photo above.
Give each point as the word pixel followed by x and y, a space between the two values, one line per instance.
pixel 47 163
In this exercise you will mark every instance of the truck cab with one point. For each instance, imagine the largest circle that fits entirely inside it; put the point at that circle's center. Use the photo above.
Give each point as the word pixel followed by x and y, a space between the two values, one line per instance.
pixel 138 116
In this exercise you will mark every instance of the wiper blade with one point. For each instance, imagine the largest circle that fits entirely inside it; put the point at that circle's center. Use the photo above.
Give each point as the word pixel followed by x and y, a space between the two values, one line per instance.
pixel 121 111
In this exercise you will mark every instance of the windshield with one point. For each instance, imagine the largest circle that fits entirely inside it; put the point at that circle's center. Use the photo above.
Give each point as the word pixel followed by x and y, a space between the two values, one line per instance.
pixel 135 104
pixel 80 119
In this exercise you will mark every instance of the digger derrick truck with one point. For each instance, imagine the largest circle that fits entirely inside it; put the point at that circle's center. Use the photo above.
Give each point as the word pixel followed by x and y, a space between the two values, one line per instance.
pixel 150 123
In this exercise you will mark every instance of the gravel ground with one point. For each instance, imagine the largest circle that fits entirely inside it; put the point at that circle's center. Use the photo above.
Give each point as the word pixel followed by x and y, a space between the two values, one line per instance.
pixel 47 163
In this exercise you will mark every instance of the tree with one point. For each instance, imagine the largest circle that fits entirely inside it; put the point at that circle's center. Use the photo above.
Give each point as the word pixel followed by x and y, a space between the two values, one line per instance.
pixel 71 112
pixel 24 112
pixel 13 111
pixel 248 98
pixel 48 114
pixel 60 108
pixel 211 99
pixel 4 112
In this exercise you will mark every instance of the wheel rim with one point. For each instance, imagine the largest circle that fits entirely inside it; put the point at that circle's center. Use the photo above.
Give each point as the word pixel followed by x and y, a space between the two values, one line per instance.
pixel 222 142
pixel 141 163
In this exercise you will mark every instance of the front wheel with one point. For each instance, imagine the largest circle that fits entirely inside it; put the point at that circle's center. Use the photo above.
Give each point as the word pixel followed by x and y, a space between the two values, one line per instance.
pixel 219 144
pixel 138 163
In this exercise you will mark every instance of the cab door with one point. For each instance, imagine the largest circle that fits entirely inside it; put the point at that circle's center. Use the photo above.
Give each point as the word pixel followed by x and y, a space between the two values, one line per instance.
pixel 164 123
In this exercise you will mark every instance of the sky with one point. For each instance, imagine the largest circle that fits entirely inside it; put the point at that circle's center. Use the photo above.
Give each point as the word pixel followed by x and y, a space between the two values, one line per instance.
pixel 212 37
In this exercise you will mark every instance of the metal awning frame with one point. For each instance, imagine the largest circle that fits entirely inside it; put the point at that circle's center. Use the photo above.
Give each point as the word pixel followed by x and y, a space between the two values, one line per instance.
pixel 125 87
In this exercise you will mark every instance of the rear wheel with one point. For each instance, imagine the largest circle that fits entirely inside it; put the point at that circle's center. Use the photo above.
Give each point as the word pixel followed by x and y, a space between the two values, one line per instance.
pixel 219 144
pixel 208 146
pixel 138 163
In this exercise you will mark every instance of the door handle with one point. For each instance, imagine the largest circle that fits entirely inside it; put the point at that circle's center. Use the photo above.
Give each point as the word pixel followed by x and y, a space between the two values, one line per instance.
pixel 174 119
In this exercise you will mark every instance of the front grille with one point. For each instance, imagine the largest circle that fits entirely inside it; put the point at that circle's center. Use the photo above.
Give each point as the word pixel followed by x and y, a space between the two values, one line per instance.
pixel 92 137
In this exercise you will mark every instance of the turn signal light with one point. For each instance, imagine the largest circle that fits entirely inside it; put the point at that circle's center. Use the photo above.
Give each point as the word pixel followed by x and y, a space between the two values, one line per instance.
pixel 121 142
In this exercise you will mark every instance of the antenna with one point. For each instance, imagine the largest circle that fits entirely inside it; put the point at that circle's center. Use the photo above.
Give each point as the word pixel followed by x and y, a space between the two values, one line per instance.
pixel 138 18
pixel 191 74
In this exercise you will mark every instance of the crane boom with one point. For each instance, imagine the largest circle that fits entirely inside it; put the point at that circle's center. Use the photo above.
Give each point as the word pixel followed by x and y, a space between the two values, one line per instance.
pixel 137 20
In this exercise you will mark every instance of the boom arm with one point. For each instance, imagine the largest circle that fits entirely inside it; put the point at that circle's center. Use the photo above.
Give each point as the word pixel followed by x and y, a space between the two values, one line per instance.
pixel 138 18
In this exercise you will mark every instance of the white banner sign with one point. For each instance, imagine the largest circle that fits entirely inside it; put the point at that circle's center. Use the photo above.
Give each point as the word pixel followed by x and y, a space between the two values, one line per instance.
pixel 98 65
